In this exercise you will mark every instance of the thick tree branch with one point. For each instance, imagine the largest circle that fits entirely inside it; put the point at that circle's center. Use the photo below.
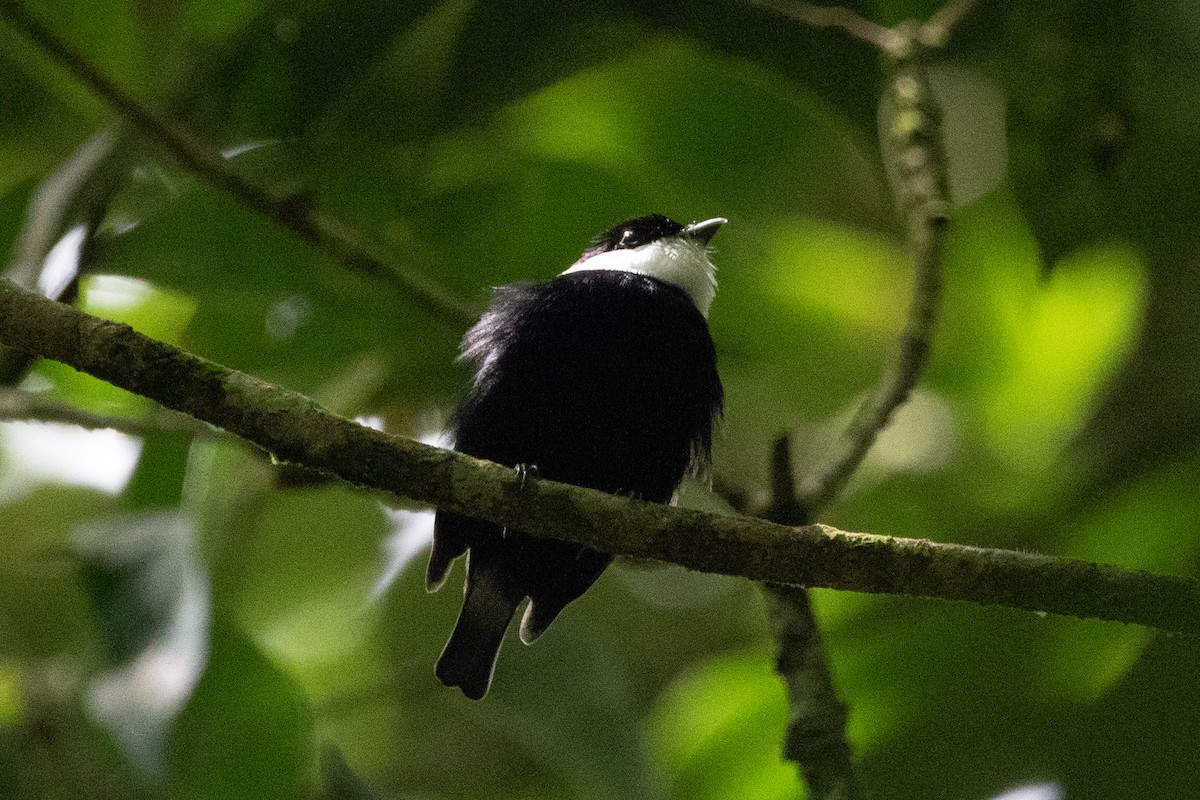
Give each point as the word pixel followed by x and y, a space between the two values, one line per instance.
pixel 293 212
pixel 294 428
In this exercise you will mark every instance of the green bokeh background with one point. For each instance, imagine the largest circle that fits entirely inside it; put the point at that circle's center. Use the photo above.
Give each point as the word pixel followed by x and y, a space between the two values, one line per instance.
pixel 486 142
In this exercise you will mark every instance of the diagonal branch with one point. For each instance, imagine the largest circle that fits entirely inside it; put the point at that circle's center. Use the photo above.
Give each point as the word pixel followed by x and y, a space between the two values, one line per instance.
pixel 818 16
pixel 77 193
pixel 295 428
pixel 289 211
pixel 936 30
pixel 914 155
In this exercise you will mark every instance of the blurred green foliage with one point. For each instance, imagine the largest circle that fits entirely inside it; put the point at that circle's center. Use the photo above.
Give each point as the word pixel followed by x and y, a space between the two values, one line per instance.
pixel 485 142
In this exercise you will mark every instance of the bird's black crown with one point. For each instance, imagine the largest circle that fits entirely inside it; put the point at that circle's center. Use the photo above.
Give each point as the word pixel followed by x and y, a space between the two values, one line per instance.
pixel 634 233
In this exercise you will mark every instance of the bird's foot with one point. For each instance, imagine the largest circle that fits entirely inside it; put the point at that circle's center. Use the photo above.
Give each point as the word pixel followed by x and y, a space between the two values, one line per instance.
pixel 525 473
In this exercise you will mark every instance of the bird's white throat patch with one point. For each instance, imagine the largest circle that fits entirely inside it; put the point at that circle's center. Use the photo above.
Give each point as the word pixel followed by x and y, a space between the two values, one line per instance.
pixel 681 262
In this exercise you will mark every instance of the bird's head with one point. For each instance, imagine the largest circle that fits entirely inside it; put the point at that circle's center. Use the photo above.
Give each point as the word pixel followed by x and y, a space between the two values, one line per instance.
pixel 660 248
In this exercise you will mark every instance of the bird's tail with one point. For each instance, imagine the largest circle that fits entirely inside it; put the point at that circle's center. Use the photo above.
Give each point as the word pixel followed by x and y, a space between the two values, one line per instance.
pixel 469 658
pixel 568 580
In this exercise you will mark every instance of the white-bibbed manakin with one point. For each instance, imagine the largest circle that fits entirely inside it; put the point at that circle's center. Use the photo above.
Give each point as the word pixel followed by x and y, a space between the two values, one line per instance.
pixel 604 377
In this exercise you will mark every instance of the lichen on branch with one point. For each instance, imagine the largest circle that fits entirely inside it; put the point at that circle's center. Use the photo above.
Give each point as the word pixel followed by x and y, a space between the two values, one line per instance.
pixel 297 429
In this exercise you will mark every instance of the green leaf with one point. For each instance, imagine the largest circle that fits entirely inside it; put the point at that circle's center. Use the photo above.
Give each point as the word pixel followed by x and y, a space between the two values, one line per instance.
pixel 13 205
pixel 245 733
pixel 306 576
pixel 1066 339
pixel 266 302
pixel 157 481
pixel 108 34
pixel 150 602
pixel 43 612
pixel 718 731
pixel 205 20
pixel 340 781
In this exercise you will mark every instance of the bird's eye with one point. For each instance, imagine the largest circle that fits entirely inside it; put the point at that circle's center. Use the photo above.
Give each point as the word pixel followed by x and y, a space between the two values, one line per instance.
pixel 627 238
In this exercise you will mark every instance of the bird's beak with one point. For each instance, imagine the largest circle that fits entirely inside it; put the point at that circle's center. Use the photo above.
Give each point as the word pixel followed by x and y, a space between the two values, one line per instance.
pixel 702 232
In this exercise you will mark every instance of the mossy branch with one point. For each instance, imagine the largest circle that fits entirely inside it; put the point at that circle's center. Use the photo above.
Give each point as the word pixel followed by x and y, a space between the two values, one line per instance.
pixel 295 428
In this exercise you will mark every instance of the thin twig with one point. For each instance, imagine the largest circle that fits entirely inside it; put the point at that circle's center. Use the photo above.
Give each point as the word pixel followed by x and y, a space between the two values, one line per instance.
pixel 295 428
pixel 844 19
pixel 295 213
pixel 20 406
pixel 816 737
pixel 935 32
pixel 917 164
pixel 816 731
pixel 55 206
pixel 74 194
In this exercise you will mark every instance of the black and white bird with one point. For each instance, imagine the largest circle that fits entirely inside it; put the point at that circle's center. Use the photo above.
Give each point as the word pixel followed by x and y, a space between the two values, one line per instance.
pixel 604 377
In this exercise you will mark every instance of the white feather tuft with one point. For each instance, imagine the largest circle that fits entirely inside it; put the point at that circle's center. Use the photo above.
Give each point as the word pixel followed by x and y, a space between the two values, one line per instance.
pixel 679 261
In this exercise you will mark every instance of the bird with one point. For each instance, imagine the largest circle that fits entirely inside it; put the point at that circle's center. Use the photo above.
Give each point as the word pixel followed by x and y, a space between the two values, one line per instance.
pixel 603 377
